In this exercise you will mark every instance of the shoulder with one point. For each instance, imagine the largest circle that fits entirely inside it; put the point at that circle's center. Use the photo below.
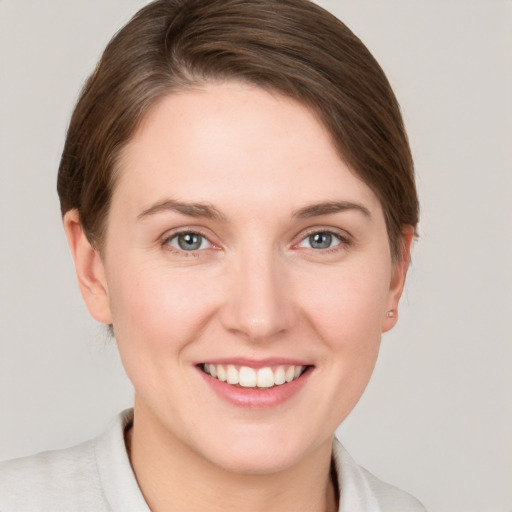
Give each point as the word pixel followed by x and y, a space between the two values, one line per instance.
pixel 94 476
pixel 60 479
pixel 360 490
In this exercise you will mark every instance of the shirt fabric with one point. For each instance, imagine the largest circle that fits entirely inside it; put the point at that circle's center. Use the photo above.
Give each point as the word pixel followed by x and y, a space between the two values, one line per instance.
pixel 96 476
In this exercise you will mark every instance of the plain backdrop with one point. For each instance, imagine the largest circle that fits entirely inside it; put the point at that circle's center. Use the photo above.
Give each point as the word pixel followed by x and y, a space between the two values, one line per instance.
pixel 436 419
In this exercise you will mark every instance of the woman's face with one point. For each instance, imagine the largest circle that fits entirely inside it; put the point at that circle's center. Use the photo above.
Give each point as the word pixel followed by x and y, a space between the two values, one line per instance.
pixel 240 245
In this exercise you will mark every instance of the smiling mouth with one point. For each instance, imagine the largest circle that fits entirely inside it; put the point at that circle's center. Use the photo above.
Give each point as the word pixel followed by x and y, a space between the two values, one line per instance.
pixel 246 377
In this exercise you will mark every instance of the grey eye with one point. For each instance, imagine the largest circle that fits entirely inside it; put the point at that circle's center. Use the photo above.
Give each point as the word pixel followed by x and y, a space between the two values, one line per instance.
pixel 320 240
pixel 189 241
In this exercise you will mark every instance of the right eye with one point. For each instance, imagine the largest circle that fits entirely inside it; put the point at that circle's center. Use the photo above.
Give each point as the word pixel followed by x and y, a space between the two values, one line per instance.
pixel 189 241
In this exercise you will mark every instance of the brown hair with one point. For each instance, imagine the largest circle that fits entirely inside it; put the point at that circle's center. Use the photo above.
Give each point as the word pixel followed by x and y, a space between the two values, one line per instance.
pixel 293 47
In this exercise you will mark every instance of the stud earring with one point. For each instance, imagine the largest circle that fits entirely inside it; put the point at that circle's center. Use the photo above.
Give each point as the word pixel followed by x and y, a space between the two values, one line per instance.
pixel 390 314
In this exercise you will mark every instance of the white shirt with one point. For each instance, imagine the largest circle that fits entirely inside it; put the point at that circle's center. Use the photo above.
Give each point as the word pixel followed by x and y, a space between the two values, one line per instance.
pixel 96 476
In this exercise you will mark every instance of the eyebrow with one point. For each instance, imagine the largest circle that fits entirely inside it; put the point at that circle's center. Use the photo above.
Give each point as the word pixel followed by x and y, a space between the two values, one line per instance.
pixel 204 210
pixel 328 207
pixel 209 211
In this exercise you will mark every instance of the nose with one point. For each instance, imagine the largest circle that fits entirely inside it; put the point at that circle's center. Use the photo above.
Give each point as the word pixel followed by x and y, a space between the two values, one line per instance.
pixel 259 305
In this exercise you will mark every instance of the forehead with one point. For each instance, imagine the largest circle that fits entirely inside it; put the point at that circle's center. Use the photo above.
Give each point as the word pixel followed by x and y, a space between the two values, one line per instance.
pixel 234 142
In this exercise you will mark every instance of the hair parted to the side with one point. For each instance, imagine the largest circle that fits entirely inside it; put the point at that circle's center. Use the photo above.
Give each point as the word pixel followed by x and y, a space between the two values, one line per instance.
pixel 293 47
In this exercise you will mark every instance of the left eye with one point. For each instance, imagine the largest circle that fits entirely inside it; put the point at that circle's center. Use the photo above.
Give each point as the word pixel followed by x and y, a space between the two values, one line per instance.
pixel 320 240
pixel 189 241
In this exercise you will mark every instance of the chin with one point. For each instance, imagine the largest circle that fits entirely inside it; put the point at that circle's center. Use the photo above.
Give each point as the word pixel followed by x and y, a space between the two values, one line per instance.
pixel 258 451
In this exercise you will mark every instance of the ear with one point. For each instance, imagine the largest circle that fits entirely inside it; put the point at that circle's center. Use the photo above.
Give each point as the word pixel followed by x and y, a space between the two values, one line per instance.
pixel 396 287
pixel 89 269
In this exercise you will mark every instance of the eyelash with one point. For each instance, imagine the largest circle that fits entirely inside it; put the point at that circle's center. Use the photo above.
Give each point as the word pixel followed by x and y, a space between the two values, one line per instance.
pixel 343 241
pixel 166 242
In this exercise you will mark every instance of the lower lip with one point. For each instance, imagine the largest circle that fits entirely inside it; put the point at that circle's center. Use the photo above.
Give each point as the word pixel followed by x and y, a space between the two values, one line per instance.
pixel 256 398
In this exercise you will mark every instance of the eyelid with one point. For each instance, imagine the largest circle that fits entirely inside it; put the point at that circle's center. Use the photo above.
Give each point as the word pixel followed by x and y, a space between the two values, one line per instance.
pixel 345 239
pixel 342 234
pixel 182 230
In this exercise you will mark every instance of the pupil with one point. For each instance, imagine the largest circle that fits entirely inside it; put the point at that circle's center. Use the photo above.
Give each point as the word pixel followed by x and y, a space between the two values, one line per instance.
pixel 189 241
pixel 320 240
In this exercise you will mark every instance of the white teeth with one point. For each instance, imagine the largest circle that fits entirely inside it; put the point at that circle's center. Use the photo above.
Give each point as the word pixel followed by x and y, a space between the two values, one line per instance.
pixel 280 376
pixel 265 378
pixel 231 374
pixel 249 377
pixel 221 373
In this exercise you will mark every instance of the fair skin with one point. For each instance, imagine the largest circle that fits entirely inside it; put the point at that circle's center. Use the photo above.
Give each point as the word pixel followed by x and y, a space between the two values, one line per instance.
pixel 238 237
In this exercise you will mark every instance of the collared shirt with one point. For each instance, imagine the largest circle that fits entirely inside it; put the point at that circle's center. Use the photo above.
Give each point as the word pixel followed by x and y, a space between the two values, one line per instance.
pixel 96 476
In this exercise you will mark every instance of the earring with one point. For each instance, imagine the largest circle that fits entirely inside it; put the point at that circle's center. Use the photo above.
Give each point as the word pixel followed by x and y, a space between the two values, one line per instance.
pixel 390 314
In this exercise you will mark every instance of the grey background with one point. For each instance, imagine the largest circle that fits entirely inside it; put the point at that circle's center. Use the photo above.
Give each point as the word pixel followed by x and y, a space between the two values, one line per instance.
pixel 437 416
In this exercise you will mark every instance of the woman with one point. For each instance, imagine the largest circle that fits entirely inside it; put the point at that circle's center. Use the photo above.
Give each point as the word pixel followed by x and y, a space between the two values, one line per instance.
pixel 238 195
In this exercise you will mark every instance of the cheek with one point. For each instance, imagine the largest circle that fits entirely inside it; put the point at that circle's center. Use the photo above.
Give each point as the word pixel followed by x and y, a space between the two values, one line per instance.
pixel 155 311
pixel 156 316
pixel 348 305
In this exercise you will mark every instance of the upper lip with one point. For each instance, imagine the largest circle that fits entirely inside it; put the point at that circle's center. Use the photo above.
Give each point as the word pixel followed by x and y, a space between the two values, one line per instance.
pixel 257 363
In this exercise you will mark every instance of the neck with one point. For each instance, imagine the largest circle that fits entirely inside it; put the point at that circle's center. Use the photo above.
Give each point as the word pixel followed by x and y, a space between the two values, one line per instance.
pixel 172 476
